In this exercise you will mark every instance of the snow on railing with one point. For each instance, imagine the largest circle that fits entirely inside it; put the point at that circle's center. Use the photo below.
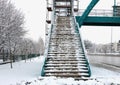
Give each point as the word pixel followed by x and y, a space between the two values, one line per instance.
pixel 82 43
pixel 47 43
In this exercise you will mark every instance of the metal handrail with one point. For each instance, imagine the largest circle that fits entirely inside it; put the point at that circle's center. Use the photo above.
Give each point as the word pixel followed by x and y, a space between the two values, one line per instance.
pixel 47 44
pixel 82 43
pixel 98 12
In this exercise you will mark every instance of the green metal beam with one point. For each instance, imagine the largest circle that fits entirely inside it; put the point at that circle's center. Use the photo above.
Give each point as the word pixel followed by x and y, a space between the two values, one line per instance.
pixel 87 11
pixel 100 21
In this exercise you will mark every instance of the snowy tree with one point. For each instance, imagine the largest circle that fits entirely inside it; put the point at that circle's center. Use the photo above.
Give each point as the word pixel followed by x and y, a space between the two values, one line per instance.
pixel 88 44
pixel 12 41
pixel 41 46
pixel 11 27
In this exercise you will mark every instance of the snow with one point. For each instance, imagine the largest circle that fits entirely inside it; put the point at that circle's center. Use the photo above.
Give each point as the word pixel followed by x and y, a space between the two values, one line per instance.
pixel 71 81
pixel 29 74
pixel 21 71
pixel 101 72
pixel 1 61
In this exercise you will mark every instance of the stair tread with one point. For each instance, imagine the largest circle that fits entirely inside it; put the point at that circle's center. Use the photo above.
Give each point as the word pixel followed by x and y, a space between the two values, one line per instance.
pixel 74 55
pixel 67 34
pixel 65 45
pixel 56 56
pixel 81 67
pixel 65 71
pixel 64 34
pixel 62 53
pixel 66 65
pixel 67 75
pixel 66 60
pixel 64 38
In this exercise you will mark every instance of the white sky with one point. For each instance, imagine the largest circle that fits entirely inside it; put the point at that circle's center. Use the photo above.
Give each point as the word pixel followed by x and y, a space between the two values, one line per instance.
pixel 35 15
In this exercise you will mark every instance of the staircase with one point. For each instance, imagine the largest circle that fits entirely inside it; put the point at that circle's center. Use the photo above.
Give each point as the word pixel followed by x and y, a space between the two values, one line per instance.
pixel 65 57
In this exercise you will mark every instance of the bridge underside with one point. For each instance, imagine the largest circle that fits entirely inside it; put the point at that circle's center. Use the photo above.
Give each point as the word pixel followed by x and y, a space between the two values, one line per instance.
pixel 99 21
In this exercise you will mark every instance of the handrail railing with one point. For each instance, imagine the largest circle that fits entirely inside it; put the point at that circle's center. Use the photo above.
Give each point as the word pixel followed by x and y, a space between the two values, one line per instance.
pixel 46 49
pixel 47 44
pixel 82 43
pixel 98 12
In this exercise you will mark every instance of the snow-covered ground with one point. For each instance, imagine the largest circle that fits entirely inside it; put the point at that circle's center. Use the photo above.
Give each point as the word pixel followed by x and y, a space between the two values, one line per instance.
pixel 29 74
pixel 21 71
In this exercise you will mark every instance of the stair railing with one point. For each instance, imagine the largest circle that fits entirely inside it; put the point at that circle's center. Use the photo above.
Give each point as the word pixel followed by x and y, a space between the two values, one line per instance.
pixel 82 43
pixel 47 43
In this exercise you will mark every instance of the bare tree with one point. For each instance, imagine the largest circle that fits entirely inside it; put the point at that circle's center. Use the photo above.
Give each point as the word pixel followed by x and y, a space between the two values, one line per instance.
pixel 41 46
pixel 11 27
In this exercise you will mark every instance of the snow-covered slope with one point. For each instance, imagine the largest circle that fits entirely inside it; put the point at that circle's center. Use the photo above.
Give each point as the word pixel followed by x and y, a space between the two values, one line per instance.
pixel 28 74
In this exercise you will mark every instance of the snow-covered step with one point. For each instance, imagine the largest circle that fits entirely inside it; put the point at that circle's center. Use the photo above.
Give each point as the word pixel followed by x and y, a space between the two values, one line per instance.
pixel 64 65
pixel 63 45
pixel 62 59
pixel 72 38
pixel 67 55
pixel 74 43
pixel 65 26
pixel 57 63
pixel 68 40
pixel 80 67
pixel 65 58
pixel 65 62
pixel 60 47
pixel 63 40
pixel 66 44
pixel 64 33
pixel 62 69
pixel 66 71
pixel 73 46
pixel 64 29
pixel 64 49
pixel 63 19
pixel 80 55
pixel 73 34
pixel 67 75
pixel 60 53
pixel 59 21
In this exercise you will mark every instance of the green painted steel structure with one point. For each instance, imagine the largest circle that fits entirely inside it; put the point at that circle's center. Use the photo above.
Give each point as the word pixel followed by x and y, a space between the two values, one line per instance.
pixel 84 19
pixel 86 12
pixel 82 45
pixel 77 26
pixel 99 21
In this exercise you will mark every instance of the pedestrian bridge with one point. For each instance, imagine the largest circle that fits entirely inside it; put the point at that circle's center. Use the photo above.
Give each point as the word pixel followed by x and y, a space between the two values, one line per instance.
pixel 99 17
pixel 65 52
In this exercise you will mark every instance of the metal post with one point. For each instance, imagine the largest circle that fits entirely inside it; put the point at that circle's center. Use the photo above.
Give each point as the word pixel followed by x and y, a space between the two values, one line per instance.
pixel 111 39
pixel 114 8
pixel 114 2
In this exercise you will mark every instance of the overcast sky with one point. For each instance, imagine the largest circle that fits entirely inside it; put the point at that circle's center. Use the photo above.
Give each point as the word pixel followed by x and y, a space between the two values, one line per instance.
pixel 35 15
